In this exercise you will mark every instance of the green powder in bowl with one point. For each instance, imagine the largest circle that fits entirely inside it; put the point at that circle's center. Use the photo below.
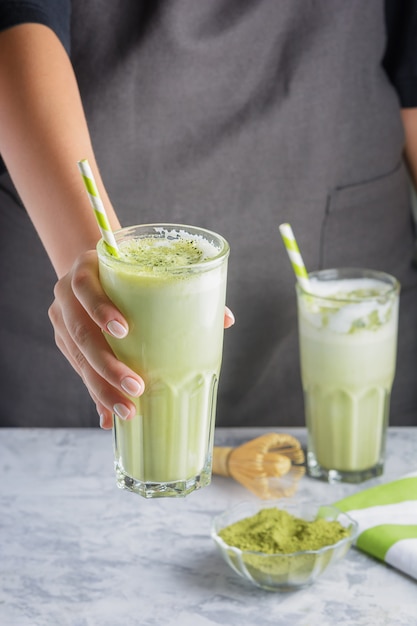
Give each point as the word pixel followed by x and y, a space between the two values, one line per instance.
pixel 280 548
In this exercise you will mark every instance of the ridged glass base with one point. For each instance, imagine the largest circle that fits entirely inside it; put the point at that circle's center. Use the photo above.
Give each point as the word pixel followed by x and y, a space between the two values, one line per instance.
pixel 337 476
pixel 174 489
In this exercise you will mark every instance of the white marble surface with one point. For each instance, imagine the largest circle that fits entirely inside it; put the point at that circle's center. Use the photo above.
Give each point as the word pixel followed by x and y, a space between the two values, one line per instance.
pixel 77 551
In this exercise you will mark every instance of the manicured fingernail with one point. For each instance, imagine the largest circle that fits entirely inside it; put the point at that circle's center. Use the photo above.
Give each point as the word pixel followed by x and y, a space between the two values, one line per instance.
pixel 103 425
pixel 116 329
pixel 230 314
pixel 121 410
pixel 229 318
pixel 131 386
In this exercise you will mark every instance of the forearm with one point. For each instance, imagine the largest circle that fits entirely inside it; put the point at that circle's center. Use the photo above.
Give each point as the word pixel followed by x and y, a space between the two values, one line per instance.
pixel 43 133
pixel 409 117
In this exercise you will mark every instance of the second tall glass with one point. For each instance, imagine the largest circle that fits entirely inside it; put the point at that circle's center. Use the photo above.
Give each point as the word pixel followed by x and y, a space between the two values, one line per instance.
pixel 348 343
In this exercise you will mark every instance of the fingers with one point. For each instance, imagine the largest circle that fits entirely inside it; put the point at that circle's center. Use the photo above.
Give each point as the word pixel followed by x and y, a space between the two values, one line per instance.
pixel 106 416
pixel 86 286
pixel 106 420
pixel 229 318
pixel 80 312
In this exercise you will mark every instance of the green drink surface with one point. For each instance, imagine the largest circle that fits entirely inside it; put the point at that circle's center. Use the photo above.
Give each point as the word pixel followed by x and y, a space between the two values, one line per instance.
pixel 150 253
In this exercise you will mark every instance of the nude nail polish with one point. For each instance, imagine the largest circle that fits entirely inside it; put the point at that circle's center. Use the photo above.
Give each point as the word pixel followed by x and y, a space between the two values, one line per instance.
pixel 131 386
pixel 121 411
pixel 116 329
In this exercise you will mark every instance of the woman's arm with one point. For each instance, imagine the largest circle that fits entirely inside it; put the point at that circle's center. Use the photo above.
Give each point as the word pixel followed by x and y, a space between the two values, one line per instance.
pixel 43 133
pixel 409 117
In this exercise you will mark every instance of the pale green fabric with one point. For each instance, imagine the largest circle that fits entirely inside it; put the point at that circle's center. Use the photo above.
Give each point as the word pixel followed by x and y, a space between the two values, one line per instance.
pixel 387 518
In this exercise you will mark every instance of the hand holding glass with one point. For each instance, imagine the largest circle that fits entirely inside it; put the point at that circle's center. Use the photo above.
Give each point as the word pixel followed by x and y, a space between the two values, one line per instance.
pixel 169 281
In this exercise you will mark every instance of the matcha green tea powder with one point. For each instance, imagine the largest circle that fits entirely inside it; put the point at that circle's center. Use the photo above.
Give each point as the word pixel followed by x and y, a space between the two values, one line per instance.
pixel 275 531
pixel 155 252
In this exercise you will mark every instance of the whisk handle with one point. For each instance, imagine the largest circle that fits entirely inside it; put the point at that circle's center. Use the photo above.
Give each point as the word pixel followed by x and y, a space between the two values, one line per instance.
pixel 221 460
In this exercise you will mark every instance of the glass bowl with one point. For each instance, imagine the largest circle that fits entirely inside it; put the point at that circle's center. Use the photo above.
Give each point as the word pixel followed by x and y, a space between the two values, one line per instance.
pixel 283 572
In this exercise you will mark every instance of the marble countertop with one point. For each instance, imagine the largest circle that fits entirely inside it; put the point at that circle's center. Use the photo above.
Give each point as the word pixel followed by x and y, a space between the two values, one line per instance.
pixel 77 551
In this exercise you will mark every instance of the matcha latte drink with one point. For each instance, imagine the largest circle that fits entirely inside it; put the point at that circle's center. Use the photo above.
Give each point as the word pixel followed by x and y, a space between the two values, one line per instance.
pixel 348 343
pixel 170 284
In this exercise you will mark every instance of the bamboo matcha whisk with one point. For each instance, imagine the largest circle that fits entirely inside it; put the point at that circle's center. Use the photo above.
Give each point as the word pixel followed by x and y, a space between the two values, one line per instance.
pixel 270 466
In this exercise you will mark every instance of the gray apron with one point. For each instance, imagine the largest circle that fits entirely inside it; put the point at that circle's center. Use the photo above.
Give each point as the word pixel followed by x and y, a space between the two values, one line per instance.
pixel 233 116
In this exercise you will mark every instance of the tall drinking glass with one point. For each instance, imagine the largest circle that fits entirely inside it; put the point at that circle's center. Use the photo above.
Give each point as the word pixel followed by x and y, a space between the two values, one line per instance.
pixel 170 284
pixel 348 342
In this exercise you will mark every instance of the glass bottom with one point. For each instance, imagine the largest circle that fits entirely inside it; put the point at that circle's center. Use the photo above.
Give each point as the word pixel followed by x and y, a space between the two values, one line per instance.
pixel 315 470
pixel 174 489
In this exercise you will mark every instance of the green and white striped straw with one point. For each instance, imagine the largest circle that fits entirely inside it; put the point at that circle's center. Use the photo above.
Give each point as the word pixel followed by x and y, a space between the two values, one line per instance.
pixel 295 256
pixel 99 210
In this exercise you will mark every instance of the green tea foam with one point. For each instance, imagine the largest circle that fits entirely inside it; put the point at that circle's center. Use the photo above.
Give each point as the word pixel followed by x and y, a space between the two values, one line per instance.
pixel 174 250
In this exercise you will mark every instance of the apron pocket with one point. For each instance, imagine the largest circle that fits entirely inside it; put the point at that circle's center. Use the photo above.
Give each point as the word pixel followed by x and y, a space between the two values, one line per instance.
pixel 370 225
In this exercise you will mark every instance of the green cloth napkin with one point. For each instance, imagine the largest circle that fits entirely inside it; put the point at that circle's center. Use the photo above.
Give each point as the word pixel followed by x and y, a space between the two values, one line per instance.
pixel 387 518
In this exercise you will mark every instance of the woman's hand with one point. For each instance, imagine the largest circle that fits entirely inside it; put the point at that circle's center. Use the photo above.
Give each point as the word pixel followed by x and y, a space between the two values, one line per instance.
pixel 80 313
pixel 229 318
